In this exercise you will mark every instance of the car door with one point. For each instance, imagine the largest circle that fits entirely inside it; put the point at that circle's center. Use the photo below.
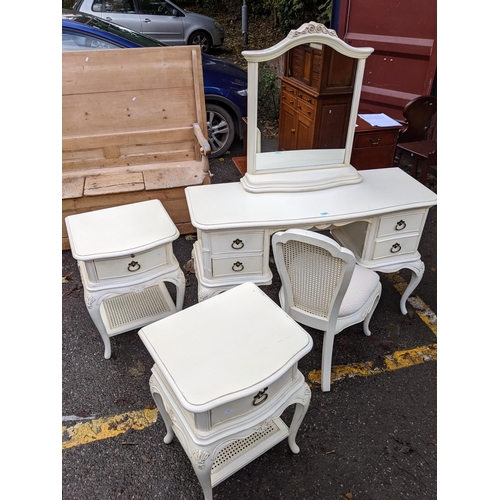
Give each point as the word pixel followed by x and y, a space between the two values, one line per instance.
pixel 160 21
pixel 122 12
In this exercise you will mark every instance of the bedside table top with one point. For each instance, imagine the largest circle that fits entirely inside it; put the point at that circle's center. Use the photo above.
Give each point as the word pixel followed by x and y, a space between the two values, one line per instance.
pixel 225 347
pixel 116 231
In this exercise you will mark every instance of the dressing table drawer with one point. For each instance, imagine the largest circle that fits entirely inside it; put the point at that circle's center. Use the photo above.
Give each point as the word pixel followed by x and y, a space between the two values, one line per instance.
pixel 131 265
pixel 395 246
pixel 237 266
pixel 234 242
pixel 401 223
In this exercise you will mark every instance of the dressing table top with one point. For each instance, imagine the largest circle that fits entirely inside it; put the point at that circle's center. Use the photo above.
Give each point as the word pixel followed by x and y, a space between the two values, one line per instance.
pixel 225 206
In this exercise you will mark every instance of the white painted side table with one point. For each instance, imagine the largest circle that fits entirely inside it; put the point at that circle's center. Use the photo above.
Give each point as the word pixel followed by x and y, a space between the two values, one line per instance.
pixel 225 370
pixel 125 256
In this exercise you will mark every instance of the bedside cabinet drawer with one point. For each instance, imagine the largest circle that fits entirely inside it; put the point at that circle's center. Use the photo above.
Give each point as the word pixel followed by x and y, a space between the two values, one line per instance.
pixel 401 223
pixel 223 243
pixel 395 246
pixel 131 265
pixel 237 266
pixel 257 401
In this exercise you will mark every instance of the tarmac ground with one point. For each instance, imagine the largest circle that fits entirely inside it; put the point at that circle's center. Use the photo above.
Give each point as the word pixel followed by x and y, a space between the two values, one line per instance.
pixel 372 437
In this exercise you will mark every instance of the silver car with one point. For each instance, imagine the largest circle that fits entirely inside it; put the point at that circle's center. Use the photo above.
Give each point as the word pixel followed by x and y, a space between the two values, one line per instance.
pixel 158 19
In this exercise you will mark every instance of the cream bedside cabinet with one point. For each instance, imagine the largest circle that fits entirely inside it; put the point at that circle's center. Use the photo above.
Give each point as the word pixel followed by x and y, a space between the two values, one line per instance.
pixel 124 257
pixel 225 370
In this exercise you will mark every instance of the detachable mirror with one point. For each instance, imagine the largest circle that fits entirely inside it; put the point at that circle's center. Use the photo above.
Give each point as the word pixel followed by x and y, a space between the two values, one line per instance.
pixel 319 87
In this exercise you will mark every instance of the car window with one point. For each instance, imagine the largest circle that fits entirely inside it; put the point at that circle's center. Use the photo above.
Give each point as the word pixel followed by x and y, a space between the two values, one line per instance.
pixel 157 7
pixel 121 6
pixel 78 41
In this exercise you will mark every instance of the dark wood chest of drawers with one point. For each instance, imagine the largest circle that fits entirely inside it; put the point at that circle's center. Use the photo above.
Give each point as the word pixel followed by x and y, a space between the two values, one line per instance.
pixel 374 147
pixel 316 98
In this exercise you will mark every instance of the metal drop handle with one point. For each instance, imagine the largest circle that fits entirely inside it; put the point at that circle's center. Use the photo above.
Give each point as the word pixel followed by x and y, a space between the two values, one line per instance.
pixel 375 142
pixel 237 244
pixel 400 225
pixel 237 267
pixel 135 265
pixel 260 397
pixel 395 248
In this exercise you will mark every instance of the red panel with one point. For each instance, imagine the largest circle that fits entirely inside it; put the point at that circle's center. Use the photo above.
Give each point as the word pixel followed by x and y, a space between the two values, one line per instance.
pixel 403 64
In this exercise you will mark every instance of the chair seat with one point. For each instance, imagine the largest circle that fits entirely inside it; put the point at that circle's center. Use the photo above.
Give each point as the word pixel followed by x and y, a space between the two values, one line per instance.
pixel 361 287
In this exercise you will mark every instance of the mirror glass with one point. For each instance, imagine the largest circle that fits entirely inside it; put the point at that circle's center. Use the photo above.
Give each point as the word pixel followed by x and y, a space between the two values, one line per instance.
pixel 304 100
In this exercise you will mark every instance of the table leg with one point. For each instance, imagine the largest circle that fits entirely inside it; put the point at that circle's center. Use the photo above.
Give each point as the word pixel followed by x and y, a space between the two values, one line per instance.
pixel 202 461
pixel 179 280
pixel 301 407
pixel 416 275
pixel 93 306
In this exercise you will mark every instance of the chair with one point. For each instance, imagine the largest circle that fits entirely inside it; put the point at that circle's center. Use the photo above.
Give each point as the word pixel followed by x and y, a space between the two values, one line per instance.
pixel 323 287
pixel 415 139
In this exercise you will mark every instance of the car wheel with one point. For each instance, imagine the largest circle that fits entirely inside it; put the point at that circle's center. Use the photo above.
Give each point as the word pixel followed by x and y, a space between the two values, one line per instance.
pixel 220 126
pixel 201 38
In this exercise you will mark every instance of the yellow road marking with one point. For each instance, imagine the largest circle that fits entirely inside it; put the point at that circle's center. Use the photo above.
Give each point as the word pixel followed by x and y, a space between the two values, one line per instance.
pixel 400 359
pixel 107 427
pixel 395 361
pixel 421 308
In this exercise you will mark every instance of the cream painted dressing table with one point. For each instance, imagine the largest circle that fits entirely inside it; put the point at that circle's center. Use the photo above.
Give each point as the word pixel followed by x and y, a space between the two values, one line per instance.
pixel 379 214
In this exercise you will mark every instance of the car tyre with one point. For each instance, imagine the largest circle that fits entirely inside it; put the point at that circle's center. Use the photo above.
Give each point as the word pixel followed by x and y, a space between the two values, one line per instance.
pixel 201 38
pixel 221 131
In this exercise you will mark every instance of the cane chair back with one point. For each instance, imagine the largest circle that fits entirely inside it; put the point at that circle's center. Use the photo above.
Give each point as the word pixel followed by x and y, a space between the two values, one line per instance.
pixel 323 287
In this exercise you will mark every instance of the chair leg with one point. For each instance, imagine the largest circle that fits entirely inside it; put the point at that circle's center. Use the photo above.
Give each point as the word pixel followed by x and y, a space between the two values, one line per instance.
pixel 414 166
pixel 326 360
pixel 423 171
pixel 366 321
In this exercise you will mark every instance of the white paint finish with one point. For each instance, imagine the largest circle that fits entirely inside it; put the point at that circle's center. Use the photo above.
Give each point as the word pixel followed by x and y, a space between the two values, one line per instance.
pixel 225 348
pixel 229 206
pixel 108 232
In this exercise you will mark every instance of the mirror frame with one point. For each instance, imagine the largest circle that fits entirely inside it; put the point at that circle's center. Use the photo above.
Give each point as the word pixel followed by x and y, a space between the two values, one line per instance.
pixel 308 178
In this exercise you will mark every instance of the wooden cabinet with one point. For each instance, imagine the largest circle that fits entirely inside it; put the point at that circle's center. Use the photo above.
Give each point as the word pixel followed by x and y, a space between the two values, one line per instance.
pixel 374 147
pixel 316 97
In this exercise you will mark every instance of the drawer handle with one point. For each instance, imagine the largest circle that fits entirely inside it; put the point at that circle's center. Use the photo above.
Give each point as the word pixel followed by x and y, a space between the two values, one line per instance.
pixel 400 225
pixel 395 248
pixel 237 267
pixel 134 266
pixel 375 142
pixel 237 244
pixel 260 397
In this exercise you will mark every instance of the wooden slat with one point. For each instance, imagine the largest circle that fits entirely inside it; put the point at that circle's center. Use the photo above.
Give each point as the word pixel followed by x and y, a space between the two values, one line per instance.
pixel 92 139
pixel 141 69
pixel 72 187
pixel 183 174
pixel 133 162
pixel 113 183
pixel 128 111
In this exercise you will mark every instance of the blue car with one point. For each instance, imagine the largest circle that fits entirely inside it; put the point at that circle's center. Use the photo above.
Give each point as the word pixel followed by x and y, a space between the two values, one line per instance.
pixel 225 83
